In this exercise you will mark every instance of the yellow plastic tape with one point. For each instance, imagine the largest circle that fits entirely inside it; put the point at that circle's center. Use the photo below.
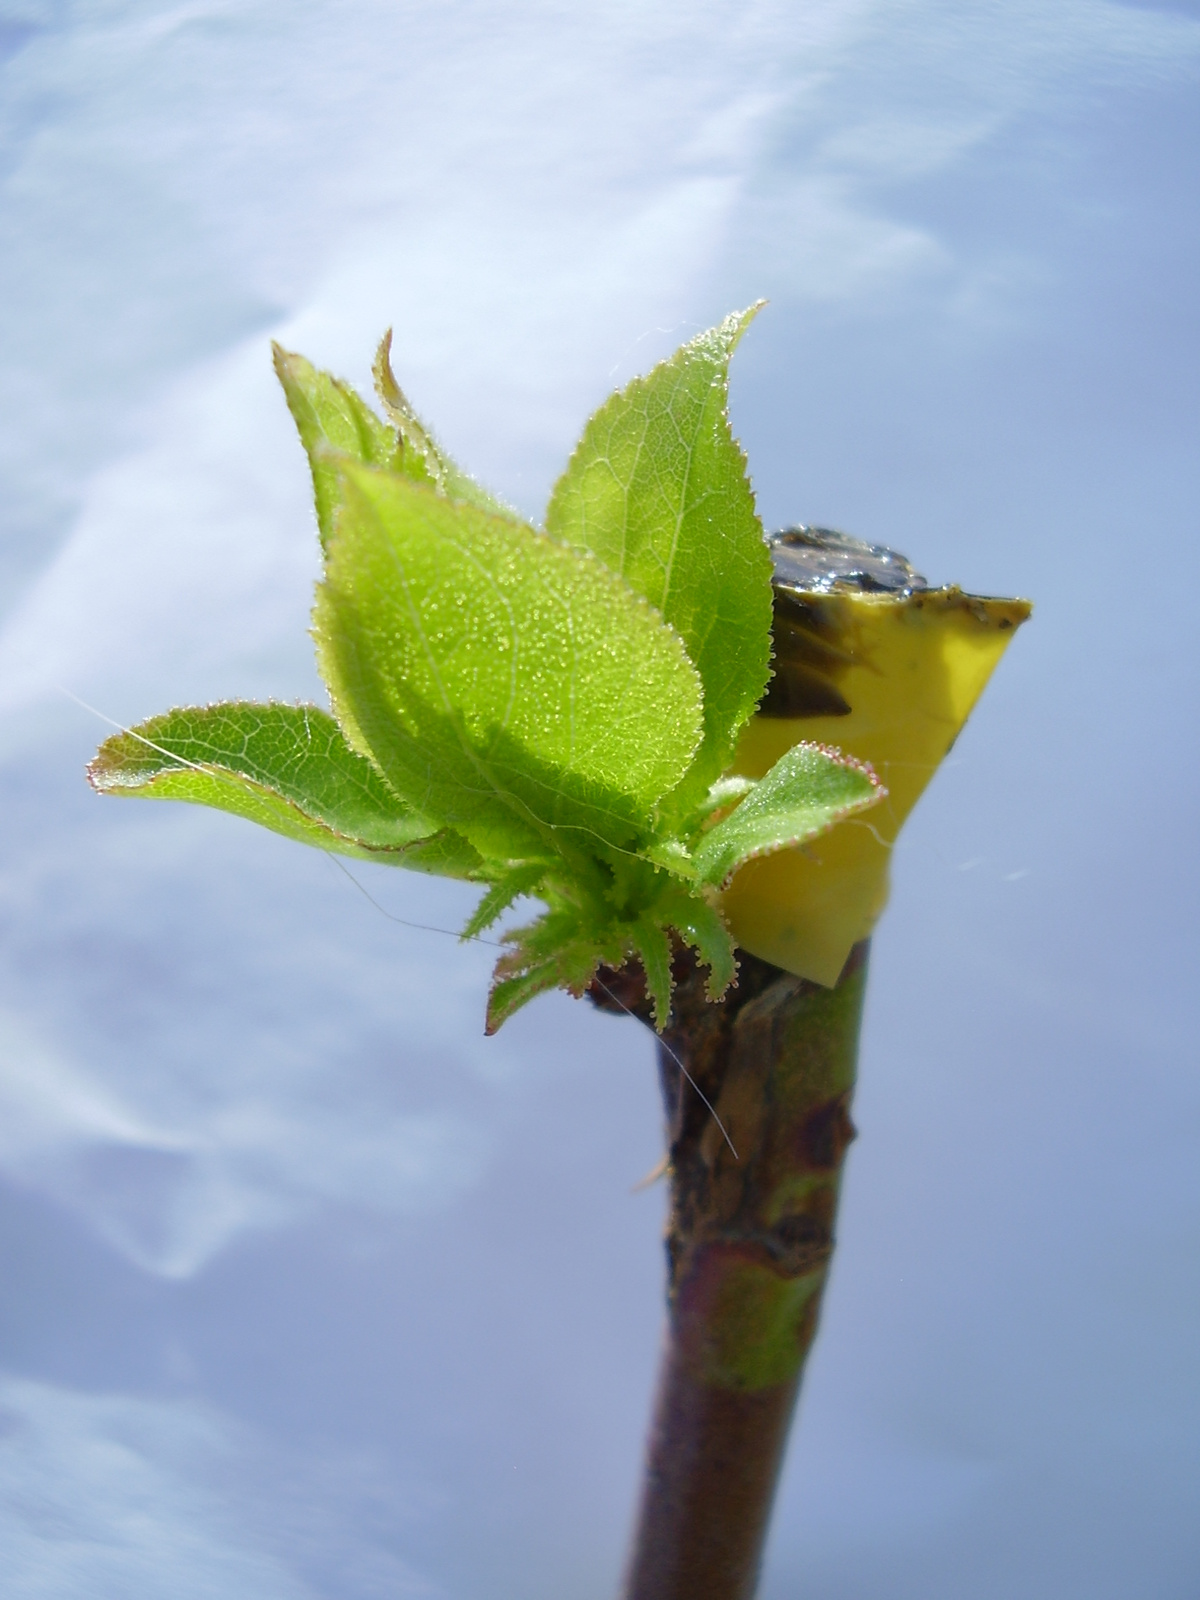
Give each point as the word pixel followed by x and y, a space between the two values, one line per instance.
pixel 911 668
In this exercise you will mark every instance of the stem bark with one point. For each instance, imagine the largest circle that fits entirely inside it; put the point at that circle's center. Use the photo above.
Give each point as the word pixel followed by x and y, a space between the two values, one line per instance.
pixel 749 1240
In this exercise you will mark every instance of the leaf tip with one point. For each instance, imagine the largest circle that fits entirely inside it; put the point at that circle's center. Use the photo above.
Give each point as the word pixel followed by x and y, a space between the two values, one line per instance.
pixel 843 758
pixel 381 367
pixel 736 323
pixel 284 361
pixel 721 979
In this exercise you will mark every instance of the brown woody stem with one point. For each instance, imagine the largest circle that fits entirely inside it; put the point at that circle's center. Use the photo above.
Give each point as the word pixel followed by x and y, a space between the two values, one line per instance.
pixel 748 1247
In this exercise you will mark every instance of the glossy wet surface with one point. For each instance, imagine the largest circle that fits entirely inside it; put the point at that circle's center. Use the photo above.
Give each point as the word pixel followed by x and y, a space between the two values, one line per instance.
pixel 821 560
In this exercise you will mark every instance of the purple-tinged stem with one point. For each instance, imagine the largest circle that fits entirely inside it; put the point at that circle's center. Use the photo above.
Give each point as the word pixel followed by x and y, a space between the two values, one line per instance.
pixel 749 1242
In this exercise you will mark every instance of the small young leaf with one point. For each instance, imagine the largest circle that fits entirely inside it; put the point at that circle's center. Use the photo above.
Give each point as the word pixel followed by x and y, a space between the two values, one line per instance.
pixel 508 995
pixel 507 685
pixel 808 789
pixel 657 489
pixel 652 944
pixel 672 855
pixel 549 953
pixel 285 767
pixel 424 460
pixel 703 928
pixel 332 420
pixel 520 880
pixel 724 792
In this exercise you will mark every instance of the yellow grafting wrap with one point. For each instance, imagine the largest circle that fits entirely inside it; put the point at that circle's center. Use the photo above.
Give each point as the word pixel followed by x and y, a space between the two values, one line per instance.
pixel 919 664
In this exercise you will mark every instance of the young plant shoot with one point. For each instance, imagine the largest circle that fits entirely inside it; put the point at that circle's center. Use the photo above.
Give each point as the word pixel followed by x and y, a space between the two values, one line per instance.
pixel 694 746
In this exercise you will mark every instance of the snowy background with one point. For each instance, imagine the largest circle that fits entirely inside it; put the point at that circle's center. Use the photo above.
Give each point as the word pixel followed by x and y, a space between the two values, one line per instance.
pixel 309 1291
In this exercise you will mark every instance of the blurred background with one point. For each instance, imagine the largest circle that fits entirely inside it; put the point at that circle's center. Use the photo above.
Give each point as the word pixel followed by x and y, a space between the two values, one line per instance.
pixel 310 1292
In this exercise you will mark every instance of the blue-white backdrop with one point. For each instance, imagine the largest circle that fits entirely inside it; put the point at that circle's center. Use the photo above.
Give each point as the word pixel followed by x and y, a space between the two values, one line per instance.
pixel 310 1292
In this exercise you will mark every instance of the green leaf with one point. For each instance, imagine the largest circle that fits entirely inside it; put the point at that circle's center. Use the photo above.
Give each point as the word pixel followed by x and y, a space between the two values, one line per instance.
pixel 553 952
pixel 445 854
pixel 652 944
pixel 285 767
pixel 506 685
pixel 807 791
pixel 424 460
pixel 523 879
pixel 508 995
pixel 332 420
pixel 701 926
pixel 657 488
pixel 671 855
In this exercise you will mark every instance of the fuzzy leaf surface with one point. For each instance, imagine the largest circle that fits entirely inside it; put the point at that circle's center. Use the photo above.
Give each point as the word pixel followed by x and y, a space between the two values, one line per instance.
pixel 520 880
pixel 332 420
pixel 287 768
pixel 652 945
pixel 704 929
pixel 657 488
pixel 507 685
pixel 807 791
pixel 423 459
pixel 509 995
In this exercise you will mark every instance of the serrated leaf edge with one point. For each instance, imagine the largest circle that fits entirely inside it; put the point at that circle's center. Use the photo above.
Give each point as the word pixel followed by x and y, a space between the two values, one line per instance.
pixel 790 842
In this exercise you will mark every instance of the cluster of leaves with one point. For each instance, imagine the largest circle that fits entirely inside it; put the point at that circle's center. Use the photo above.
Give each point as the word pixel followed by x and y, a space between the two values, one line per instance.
pixel 545 712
